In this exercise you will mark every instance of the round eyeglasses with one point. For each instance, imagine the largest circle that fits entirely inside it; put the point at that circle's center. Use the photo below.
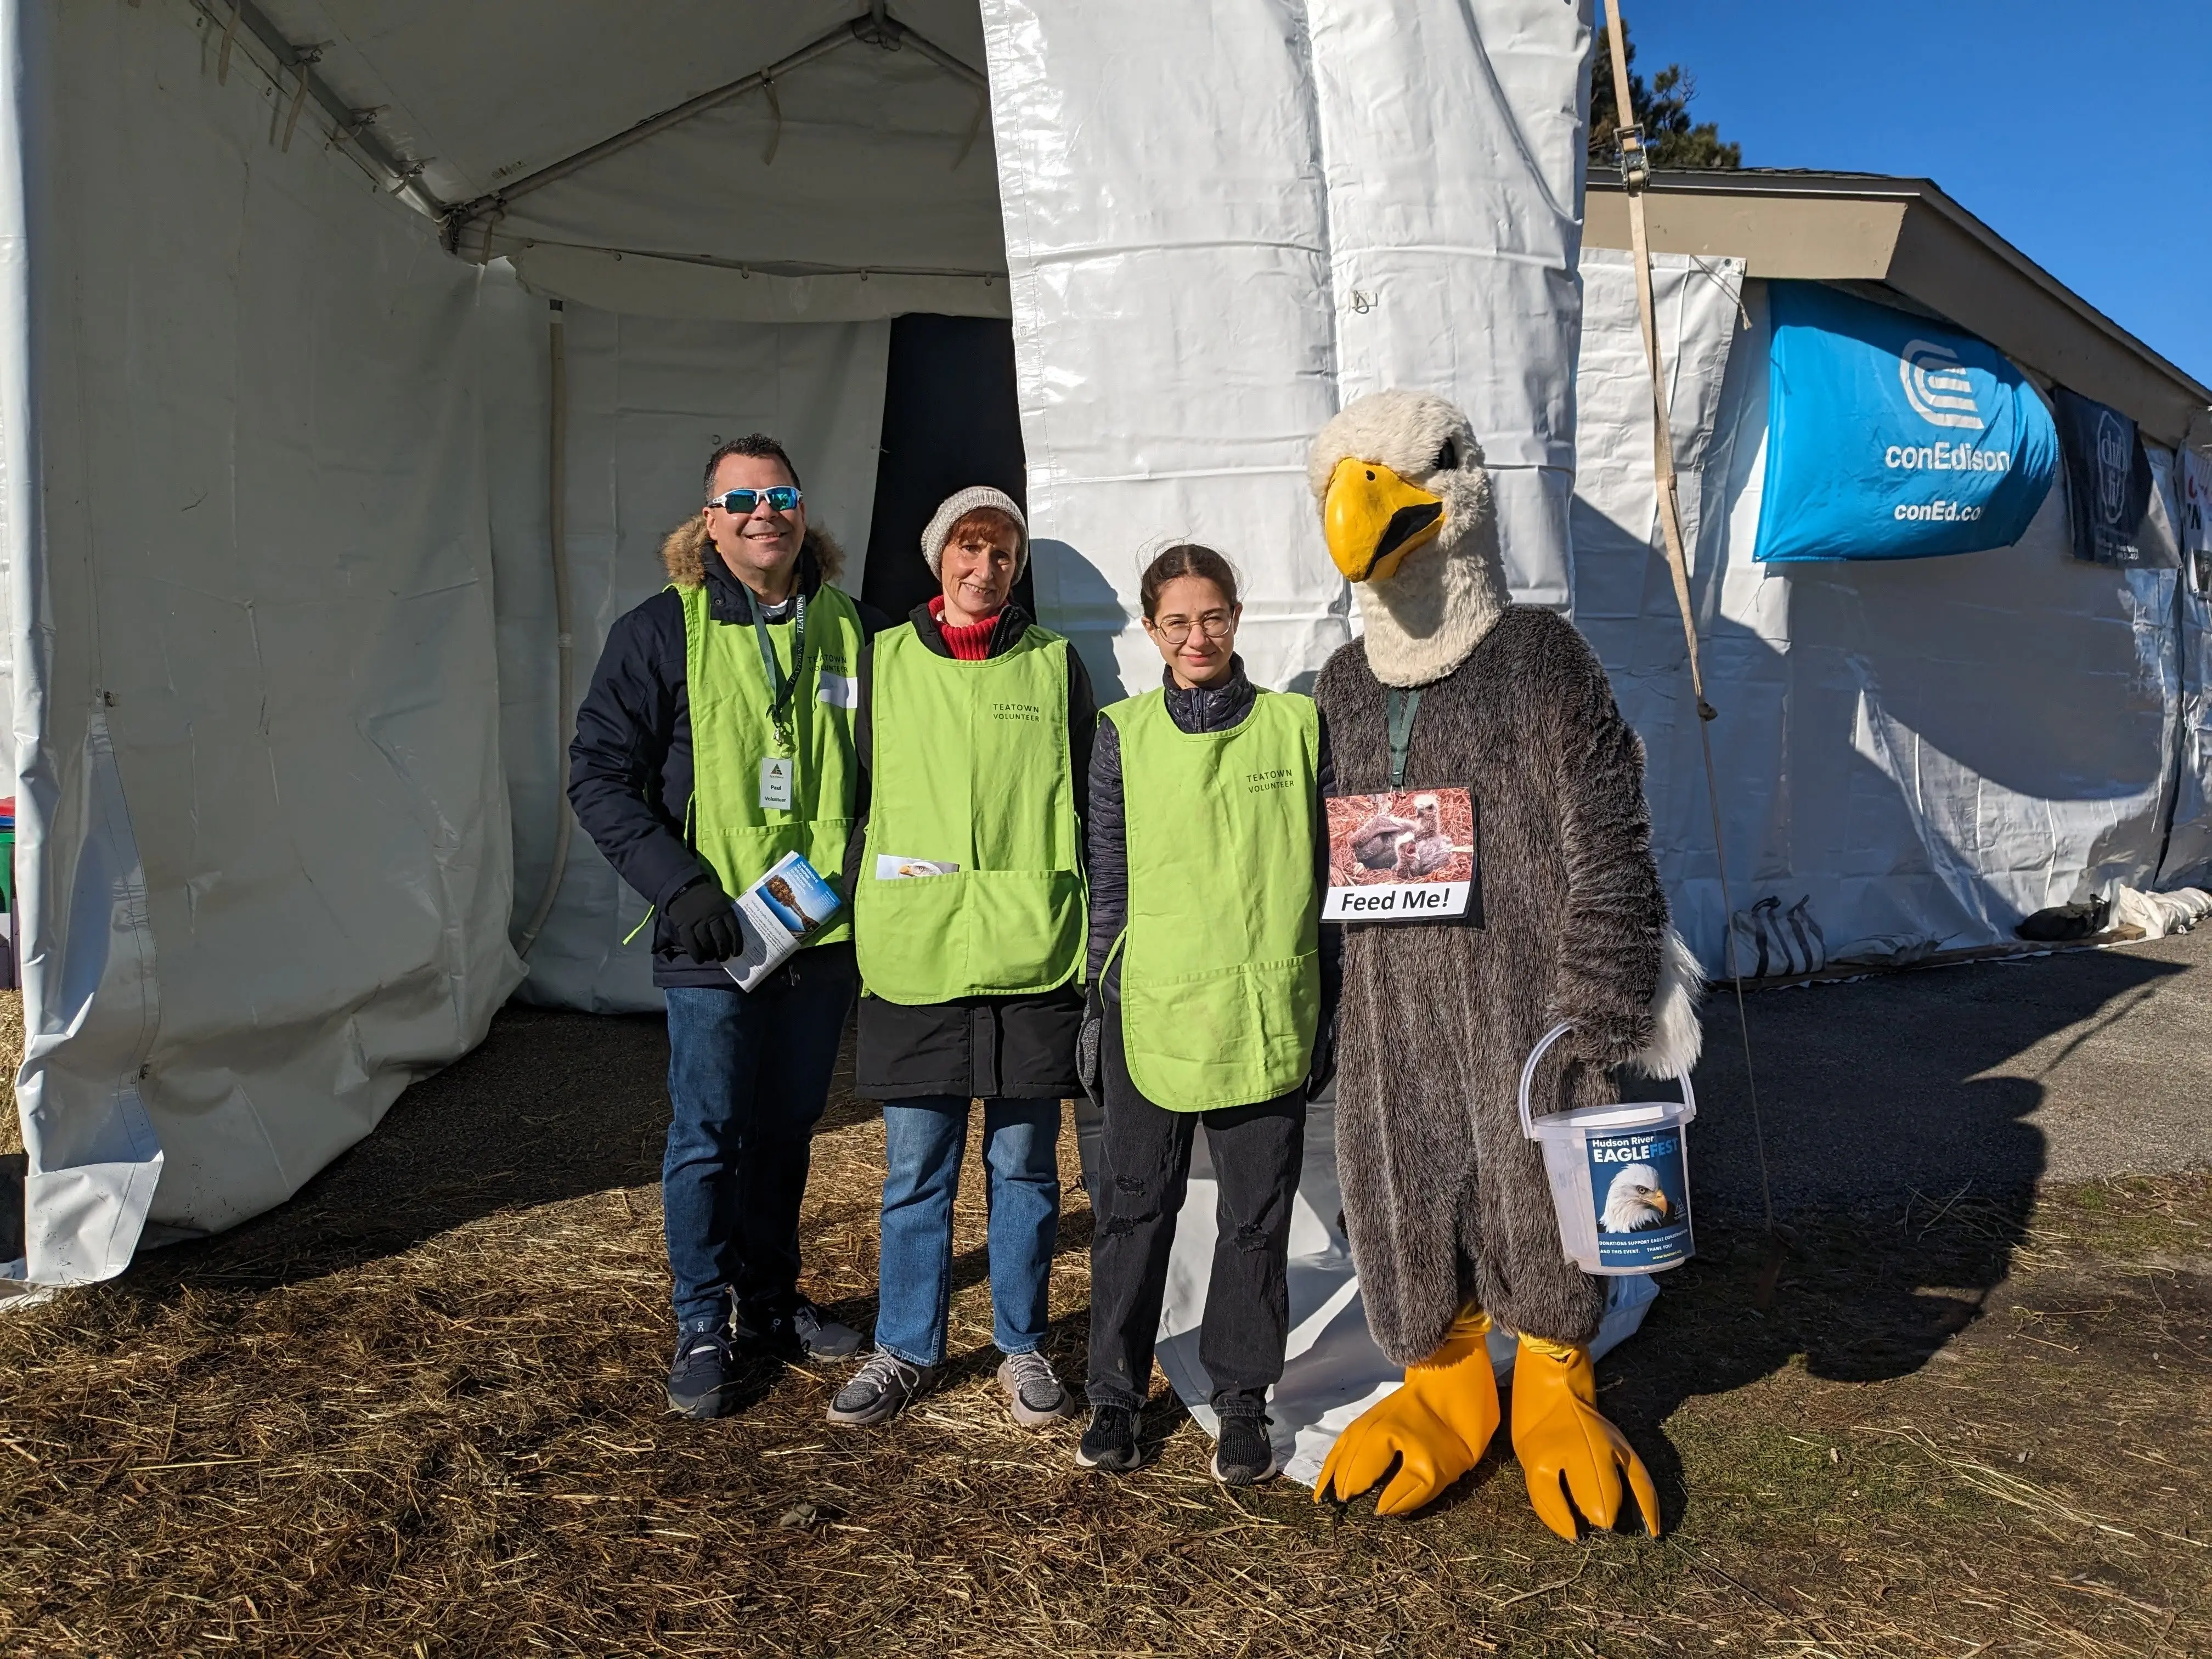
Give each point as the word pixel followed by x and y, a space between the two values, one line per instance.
pixel 1214 624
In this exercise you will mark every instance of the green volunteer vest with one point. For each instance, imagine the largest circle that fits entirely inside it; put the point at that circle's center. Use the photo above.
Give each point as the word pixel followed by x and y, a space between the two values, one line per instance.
pixel 1221 958
pixel 969 767
pixel 731 734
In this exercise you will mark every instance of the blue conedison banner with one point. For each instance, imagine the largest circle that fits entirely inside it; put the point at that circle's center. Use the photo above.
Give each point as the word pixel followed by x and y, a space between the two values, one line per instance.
pixel 1891 436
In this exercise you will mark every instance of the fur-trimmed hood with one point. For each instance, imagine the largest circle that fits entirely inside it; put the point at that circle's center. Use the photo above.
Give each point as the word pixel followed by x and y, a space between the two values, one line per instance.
pixel 683 553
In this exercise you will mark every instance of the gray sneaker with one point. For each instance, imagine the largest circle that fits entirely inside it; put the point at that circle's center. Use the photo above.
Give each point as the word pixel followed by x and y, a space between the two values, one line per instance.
pixel 882 1389
pixel 1034 1392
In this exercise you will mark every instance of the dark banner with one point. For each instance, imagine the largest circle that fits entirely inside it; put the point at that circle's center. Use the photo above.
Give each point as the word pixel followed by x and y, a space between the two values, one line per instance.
pixel 2108 484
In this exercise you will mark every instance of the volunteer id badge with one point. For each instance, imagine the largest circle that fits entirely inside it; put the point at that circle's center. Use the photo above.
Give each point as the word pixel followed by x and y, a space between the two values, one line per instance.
pixel 775 784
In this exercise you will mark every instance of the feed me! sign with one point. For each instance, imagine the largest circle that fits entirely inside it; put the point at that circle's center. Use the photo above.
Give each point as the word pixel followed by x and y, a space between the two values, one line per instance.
pixel 1891 436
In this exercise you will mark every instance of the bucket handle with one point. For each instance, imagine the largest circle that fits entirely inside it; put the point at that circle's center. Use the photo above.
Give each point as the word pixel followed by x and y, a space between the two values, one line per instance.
pixel 1543 1047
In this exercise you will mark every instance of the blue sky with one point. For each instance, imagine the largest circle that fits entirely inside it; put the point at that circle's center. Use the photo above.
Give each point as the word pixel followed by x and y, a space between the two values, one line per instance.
pixel 2065 125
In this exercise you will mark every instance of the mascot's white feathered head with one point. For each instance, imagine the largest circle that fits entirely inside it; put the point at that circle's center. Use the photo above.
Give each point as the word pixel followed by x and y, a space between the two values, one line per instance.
pixel 1634 1201
pixel 1406 510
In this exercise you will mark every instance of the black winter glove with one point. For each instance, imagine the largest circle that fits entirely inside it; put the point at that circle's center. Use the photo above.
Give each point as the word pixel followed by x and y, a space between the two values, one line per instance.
pixel 1324 1057
pixel 1086 1046
pixel 705 922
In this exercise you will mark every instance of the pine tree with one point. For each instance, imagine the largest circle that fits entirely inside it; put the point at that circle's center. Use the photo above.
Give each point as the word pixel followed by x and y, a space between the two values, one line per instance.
pixel 1665 107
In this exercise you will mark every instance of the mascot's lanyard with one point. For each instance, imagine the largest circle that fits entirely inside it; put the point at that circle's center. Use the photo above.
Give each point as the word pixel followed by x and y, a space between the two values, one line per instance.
pixel 1400 706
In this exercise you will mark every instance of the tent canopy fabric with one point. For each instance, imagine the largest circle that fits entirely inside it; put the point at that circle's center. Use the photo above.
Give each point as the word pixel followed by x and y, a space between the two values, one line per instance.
pixel 277 472
pixel 1927 750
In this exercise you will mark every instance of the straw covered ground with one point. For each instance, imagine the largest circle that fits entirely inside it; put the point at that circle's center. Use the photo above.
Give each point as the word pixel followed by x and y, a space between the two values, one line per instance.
pixel 417 1411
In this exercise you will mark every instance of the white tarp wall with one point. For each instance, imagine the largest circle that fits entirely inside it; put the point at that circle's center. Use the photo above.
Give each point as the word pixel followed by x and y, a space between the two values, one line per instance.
pixel 647 399
pixel 1928 749
pixel 262 814
pixel 1222 222
pixel 2188 848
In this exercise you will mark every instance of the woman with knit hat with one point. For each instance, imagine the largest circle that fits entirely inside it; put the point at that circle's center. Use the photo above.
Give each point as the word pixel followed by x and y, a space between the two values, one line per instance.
pixel 966 873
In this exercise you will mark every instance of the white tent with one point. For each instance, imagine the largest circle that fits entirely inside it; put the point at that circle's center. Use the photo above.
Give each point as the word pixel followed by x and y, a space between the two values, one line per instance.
pixel 278 506
pixel 275 445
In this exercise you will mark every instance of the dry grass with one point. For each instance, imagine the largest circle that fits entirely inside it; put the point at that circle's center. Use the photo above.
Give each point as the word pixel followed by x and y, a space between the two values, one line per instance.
pixel 418 1411
pixel 11 1060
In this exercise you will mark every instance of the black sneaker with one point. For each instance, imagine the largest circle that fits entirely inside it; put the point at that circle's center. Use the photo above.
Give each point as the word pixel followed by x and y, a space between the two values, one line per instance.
pixel 1245 1455
pixel 700 1377
pixel 880 1391
pixel 802 1331
pixel 1110 1441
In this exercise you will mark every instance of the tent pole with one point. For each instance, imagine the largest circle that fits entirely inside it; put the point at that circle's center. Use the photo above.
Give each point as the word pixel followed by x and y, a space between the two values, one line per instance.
pixel 347 123
pixel 843 35
pixel 556 473
pixel 876 27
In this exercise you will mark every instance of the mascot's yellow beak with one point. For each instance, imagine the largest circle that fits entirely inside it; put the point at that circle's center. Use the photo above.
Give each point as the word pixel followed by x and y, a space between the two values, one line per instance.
pixel 1372 517
pixel 1659 1203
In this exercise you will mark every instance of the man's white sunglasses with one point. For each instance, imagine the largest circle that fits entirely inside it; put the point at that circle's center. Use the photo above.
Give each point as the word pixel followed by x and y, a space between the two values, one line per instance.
pixel 781 498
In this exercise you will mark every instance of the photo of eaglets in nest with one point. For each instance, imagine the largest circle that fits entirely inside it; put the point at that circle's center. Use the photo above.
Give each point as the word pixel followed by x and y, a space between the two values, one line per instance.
pixel 1409 835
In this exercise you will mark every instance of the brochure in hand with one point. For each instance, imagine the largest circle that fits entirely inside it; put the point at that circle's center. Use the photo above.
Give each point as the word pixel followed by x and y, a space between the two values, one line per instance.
pixel 781 911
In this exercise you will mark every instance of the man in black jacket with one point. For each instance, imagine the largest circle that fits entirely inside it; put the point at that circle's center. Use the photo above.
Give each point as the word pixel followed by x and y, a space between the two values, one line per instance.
pixel 692 790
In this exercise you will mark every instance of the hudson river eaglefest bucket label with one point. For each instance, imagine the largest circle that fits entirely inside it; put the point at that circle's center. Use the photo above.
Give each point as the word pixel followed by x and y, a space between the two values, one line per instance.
pixel 1641 1191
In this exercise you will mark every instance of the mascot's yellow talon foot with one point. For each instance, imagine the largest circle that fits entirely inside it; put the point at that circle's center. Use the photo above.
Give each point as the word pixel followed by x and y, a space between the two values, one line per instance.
pixel 1434 1427
pixel 1562 1440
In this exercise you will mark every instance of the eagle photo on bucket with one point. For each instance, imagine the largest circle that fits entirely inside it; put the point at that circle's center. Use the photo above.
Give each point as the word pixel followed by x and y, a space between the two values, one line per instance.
pixel 1635 1201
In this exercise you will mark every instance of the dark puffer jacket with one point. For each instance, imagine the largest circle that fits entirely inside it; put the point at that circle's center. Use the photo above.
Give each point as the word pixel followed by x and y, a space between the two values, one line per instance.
pixel 1015 1047
pixel 629 769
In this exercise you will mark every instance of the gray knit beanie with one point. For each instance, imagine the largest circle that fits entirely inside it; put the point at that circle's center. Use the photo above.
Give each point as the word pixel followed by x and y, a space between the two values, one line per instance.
pixel 958 507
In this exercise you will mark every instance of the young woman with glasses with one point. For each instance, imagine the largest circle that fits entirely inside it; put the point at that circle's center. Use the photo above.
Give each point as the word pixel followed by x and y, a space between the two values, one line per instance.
pixel 1208 850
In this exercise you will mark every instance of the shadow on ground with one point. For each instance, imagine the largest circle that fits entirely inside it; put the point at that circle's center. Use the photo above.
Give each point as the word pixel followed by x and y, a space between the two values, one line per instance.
pixel 549 1106
pixel 1903 1174
pixel 1878 1111
pixel 421 1407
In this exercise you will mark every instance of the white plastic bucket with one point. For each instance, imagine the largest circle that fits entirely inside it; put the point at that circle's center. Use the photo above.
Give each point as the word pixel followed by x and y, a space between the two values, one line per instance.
pixel 1620 1176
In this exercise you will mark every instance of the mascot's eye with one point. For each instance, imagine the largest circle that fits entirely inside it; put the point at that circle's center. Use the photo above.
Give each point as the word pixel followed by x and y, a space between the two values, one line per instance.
pixel 1447 458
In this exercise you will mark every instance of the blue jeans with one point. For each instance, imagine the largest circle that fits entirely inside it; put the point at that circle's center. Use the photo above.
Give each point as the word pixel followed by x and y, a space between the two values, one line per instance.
pixel 748 1076
pixel 924 1142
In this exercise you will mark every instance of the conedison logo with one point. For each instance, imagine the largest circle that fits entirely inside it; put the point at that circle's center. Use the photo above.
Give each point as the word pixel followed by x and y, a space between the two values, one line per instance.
pixel 1936 388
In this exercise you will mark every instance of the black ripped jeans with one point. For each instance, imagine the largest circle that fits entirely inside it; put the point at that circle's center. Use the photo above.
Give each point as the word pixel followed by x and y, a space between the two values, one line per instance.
pixel 1257 1151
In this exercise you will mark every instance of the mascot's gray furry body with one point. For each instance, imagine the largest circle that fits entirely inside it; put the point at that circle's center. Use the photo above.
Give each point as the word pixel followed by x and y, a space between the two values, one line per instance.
pixel 1445 1202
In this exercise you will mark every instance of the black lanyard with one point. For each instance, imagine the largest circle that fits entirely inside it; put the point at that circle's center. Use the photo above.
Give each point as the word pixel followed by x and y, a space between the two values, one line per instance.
pixel 1400 707
pixel 779 689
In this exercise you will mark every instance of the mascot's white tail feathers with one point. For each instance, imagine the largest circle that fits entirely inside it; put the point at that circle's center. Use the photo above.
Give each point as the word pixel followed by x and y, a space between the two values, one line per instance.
pixel 1678 1037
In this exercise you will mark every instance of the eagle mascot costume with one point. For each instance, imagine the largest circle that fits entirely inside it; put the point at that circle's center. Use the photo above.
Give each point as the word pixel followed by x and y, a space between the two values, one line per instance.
pixel 1448 1207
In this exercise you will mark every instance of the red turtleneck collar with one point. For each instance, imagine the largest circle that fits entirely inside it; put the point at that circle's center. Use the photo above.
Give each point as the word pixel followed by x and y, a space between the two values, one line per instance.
pixel 969 644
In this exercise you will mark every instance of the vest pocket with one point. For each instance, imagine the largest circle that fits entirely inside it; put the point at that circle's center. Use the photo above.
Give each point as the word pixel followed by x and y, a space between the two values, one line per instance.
pixel 1231 1036
pixel 930 939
